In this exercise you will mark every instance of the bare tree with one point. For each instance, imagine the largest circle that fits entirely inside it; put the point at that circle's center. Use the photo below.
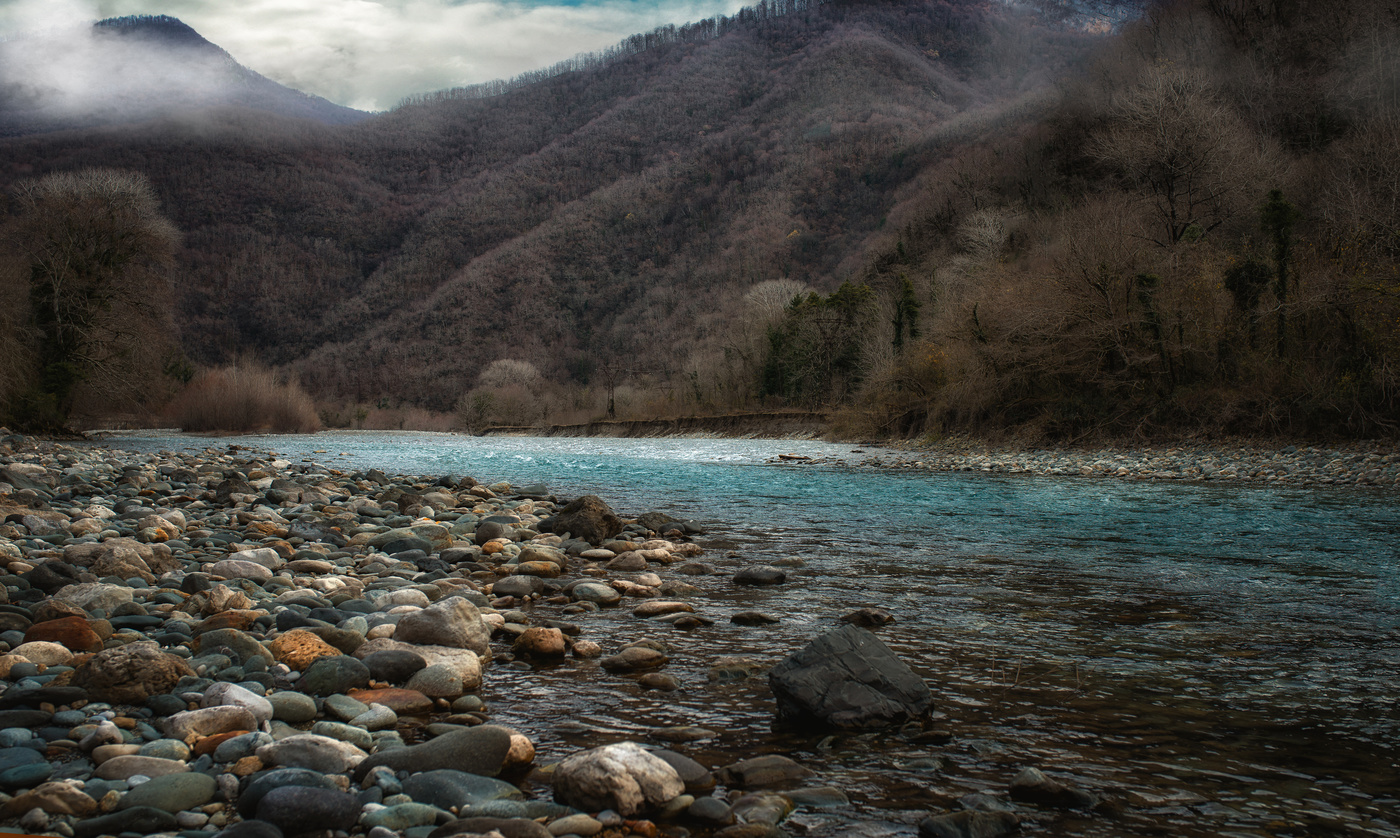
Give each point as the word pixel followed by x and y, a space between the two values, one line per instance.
pixel 1198 162
pixel 94 248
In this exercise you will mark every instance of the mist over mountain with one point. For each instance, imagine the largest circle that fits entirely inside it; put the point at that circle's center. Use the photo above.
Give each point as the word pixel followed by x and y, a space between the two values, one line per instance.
pixel 133 69
pixel 994 213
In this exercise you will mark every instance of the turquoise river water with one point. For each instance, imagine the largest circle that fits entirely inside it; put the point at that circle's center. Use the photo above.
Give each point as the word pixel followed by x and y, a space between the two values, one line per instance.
pixel 1211 659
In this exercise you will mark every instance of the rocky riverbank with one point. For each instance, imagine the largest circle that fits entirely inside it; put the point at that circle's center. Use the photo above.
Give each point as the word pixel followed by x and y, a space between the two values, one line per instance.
pixel 1358 464
pixel 228 644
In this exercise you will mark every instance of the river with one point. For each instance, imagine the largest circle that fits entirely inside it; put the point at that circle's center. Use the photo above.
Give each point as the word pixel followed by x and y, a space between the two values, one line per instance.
pixel 1212 659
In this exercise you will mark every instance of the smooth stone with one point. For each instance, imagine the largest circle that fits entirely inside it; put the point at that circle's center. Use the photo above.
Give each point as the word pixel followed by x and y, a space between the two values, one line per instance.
pixel 173 792
pixel 232 695
pixel 358 737
pixel 344 707
pixel 767 770
pixel 393 666
pixel 266 781
pixel 760 575
pixel 172 749
pixel 402 702
pixel 251 829
pixel 477 750
pixel 24 718
pixel 123 767
pixel 25 776
pixel 241 747
pixel 308 750
pixel 405 816
pixel 292 707
pixel 209 721
pixel 331 675
pixel 595 592
pixel 377 717
pixel 518 586
pixel 710 810
pixel 298 809
pixel 697 778
pixel 634 658
pixel 436 681
pixel 141 820
pixel 754 618
pixel 453 622
pixel 448 788
pixel 821 797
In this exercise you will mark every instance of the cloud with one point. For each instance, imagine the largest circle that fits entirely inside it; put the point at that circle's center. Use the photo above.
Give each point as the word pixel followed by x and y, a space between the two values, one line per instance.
pixel 369 54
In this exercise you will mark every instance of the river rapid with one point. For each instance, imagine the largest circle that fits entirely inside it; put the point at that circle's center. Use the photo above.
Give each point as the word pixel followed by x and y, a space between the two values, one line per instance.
pixel 1211 659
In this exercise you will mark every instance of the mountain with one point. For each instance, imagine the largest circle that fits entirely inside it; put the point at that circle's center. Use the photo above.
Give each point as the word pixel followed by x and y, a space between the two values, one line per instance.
pixel 1008 221
pixel 132 69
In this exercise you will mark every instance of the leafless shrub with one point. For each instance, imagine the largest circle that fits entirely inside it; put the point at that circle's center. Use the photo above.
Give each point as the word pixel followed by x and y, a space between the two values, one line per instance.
pixel 241 398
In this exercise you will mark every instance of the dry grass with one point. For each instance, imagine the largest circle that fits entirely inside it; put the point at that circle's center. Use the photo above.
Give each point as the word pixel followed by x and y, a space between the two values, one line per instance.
pixel 244 398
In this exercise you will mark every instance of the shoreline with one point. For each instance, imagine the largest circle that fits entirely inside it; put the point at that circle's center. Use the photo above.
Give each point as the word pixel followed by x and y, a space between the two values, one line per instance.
pixel 193 642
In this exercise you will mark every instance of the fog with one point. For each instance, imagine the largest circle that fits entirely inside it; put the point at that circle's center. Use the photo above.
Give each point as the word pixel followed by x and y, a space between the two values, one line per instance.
pixel 362 54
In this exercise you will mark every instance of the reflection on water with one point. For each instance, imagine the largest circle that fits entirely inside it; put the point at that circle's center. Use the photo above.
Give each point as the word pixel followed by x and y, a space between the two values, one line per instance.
pixel 1215 660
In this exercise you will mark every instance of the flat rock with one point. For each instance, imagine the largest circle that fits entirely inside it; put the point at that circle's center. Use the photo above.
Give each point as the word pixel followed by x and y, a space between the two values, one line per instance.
pixel 969 825
pixel 403 702
pixel 129 765
pixel 262 783
pixel 765 771
pixel 760 575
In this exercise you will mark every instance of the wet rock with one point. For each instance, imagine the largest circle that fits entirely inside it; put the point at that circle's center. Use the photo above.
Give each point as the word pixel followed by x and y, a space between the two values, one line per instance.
pixel 847 678
pixel 657 607
pixel 587 518
pixel 299 809
pixel 623 777
pixel 764 771
pixel 465 663
pixel 251 829
pixel 448 788
pixel 754 618
pixel 761 808
pixel 518 586
pixel 634 658
pixel 969 825
pixel 761 575
pixel 697 778
pixel 868 617
pixel 477 750
pixel 453 622
pixel 540 642
pixel 1032 786
pixel 595 592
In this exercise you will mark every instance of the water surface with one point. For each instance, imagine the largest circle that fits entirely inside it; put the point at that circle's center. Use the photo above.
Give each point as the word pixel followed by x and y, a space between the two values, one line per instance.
pixel 1213 659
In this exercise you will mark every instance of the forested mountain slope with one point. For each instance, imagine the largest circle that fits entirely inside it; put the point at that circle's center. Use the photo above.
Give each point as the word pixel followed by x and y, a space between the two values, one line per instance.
pixel 618 213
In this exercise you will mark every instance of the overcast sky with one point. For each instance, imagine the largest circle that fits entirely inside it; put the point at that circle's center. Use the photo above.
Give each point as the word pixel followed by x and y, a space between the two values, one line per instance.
pixel 368 54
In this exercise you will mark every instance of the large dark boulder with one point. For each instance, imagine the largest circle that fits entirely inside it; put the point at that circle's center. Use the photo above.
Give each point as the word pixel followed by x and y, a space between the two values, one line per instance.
pixel 847 678
pixel 588 518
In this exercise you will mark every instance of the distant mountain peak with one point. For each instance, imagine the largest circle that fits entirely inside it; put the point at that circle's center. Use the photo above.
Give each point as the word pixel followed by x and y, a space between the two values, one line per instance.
pixel 132 69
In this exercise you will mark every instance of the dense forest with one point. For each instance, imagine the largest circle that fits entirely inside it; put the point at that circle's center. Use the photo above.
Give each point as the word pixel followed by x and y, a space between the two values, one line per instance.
pixel 929 215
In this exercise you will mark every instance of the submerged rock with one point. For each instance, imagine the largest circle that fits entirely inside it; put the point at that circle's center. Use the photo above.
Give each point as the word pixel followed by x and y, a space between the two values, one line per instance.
pixel 847 678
